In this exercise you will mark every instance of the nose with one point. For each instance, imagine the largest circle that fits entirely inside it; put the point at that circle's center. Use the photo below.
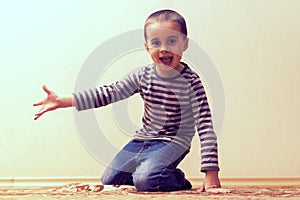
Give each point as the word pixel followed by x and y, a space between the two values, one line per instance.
pixel 164 48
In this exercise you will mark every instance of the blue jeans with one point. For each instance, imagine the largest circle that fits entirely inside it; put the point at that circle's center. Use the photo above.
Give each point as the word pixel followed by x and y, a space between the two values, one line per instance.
pixel 149 166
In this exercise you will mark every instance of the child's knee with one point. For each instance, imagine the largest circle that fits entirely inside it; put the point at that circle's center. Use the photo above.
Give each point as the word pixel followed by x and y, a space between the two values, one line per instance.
pixel 105 180
pixel 115 177
pixel 145 182
pixel 108 177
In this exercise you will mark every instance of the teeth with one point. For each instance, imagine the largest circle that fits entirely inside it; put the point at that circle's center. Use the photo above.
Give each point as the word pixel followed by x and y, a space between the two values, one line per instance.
pixel 166 59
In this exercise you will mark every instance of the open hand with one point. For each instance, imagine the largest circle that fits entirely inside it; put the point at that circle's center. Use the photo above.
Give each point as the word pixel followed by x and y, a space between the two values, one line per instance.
pixel 211 184
pixel 48 104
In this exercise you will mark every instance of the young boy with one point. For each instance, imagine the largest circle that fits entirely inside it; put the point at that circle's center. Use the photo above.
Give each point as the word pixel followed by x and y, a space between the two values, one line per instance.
pixel 175 104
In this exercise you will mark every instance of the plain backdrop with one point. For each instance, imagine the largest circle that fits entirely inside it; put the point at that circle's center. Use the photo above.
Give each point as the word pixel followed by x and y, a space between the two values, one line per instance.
pixel 254 45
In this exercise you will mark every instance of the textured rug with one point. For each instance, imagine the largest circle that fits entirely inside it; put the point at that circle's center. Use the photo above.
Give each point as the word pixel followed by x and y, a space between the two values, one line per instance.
pixel 86 191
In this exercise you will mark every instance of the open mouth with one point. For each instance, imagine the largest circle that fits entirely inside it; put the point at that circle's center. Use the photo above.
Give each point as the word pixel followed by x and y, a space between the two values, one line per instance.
pixel 166 60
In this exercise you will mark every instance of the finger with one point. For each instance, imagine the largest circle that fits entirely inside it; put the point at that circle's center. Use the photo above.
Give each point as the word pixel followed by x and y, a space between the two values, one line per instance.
pixel 46 89
pixel 36 116
pixel 40 113
pixel 217 190
pixel 43 110
pixel 38 104
pixel 202 189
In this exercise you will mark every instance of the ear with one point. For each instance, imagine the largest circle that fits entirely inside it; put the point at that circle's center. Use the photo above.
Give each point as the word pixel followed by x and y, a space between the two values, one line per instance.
pixel 146 46
pixel 186 44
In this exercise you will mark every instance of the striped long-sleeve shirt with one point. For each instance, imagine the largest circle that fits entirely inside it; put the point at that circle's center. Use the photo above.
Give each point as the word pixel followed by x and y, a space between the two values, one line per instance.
pixel 173 108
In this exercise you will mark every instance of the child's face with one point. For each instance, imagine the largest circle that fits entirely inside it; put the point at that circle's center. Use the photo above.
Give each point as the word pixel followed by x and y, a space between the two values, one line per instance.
pixel 165 43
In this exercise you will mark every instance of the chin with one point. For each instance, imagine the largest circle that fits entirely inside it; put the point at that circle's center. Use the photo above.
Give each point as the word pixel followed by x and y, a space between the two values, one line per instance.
pixel 165 67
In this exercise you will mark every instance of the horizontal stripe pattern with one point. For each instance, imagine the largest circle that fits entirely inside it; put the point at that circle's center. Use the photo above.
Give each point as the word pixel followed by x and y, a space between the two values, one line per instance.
pixel 173 108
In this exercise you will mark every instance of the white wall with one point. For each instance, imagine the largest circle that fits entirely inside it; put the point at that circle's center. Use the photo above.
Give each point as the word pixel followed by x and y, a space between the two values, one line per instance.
pixel 254 45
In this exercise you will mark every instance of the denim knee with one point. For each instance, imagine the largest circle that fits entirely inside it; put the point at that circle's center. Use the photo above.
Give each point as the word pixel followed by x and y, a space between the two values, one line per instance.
pixel 145 182
pixel 109 177
pixel 115 177
pixel 106 180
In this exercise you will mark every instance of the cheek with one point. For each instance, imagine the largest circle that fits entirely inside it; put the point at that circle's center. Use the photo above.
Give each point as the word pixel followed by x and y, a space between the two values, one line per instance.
pixel 153 52
pixel 177 52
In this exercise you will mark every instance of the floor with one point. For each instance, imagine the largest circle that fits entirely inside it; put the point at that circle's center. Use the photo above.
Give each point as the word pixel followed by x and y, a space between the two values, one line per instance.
pixel 85 192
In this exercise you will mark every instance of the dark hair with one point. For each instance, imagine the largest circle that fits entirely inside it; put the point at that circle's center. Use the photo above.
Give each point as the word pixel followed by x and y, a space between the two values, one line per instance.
pixel 166 16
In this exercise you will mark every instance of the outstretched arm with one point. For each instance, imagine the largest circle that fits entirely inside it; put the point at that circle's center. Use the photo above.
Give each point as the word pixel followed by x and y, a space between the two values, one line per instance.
pixel 52 102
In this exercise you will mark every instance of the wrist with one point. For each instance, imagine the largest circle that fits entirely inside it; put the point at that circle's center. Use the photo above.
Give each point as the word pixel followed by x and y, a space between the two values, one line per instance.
pixel 212 179
pixel 64 102
pixel 212 173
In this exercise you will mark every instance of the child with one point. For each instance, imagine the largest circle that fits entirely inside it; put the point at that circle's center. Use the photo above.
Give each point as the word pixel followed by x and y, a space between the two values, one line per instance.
pixel 175 104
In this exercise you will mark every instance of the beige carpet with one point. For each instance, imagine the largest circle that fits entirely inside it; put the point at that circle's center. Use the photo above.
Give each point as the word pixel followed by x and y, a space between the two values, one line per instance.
pixel 84 192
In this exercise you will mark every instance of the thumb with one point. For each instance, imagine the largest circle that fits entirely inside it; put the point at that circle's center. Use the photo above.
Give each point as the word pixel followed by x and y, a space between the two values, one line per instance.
pixel 46 90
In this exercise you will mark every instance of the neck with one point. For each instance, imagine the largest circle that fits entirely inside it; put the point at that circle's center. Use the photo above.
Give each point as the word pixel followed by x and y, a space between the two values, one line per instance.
pixel 170 72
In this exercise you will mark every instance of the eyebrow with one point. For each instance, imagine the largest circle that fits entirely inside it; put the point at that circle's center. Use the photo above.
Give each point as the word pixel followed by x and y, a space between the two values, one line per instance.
pixel 172 36
pixel 154 39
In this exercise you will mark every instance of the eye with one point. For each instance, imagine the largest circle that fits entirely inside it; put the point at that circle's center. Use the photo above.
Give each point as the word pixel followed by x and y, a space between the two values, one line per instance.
pixel 172 41
pixel 155 43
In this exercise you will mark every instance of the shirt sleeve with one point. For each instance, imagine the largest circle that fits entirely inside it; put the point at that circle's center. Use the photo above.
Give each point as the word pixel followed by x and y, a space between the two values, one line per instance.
pixel 107 94
pixel 204 127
